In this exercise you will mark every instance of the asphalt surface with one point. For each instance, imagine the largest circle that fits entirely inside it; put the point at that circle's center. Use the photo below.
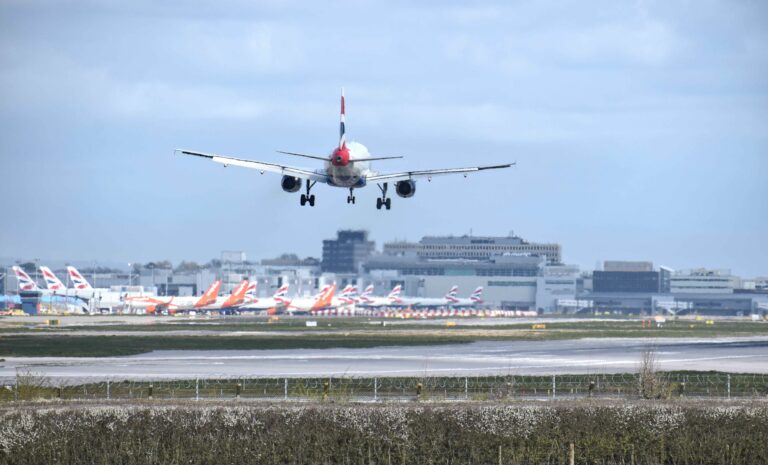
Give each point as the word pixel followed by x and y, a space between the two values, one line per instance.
pixel 599 355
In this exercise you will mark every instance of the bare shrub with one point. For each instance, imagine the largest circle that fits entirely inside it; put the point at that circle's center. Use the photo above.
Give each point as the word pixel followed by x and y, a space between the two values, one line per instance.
pixel 651 384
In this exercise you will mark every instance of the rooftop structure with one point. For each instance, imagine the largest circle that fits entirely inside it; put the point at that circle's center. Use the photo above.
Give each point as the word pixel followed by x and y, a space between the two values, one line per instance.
pixel 474 248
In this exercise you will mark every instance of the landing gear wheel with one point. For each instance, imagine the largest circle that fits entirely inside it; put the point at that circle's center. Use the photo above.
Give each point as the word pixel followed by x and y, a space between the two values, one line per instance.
pixel 351 199
pixel 383 200
pixel 306 198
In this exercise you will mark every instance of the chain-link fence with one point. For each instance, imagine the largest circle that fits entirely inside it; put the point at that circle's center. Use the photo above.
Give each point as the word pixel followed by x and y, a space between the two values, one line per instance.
pixel 479 388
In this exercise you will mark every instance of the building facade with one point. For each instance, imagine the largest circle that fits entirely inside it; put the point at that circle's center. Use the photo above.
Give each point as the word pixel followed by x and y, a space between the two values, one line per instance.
pixel 473 248
pixel 345 253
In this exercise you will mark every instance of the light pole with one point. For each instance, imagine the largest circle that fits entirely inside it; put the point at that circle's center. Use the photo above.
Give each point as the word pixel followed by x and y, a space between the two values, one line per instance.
pixel 130 276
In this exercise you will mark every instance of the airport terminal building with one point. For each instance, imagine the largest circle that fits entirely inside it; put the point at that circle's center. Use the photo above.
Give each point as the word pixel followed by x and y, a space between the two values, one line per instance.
pixel 516 274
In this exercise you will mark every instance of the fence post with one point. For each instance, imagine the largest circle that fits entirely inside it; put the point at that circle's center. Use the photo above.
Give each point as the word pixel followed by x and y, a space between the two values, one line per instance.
pixel 238 386
pixel 466 388
pixel 108 393
pixel 554 386
pixel 728 379
pixel 285 390
pixel 197 388
pixel 571 454
pixel 150 391
pixel 375 389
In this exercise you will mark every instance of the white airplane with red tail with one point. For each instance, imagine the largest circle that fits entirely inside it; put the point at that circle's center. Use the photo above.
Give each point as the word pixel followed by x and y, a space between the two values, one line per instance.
pixel 347 166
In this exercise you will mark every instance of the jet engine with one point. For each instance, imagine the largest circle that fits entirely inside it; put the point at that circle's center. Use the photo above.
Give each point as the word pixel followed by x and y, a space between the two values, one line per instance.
pixel 290 184
pixel 405 189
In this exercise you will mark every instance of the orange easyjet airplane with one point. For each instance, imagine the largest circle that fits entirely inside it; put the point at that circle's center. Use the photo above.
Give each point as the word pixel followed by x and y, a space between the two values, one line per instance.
pixel 324 299
pixel 175 304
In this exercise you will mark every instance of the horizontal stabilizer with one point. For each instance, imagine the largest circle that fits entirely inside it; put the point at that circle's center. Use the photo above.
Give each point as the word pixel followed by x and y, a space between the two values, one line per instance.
pixel 315 157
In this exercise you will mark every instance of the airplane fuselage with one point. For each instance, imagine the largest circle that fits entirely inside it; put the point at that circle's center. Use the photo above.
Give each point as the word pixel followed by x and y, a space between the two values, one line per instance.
pixel 347 166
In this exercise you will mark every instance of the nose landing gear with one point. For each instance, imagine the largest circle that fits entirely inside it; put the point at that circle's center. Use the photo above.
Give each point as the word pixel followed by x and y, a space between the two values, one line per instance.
pixel 383 200
pixel 351 196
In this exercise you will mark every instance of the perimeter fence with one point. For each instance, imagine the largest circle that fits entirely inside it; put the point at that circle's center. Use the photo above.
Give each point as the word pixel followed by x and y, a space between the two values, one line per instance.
pixel 478 388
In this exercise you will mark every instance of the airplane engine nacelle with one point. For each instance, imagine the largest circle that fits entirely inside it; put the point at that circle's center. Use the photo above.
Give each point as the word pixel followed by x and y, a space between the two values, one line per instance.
pixel 405 189
pixel 290 184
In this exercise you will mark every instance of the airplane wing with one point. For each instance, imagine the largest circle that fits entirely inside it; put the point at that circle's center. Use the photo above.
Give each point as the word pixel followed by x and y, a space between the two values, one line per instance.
pixel 407 175
pixel 260 165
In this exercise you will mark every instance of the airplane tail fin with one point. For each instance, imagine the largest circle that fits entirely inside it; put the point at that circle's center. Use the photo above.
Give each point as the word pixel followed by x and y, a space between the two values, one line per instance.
pixel 25 282
pixel 52 282
pixel 342 127
pixel 368 291
pixel 280 295
pixel 349 294
pixel 250 292
pixel 237 296
pixel 77 279
pixel 451 296
pixel 210 295
pixel 325 299
pixel 395 292
pixel 477 296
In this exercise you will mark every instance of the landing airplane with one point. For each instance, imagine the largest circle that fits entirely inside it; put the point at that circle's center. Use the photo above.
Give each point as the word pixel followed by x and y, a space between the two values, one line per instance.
pixel 347 166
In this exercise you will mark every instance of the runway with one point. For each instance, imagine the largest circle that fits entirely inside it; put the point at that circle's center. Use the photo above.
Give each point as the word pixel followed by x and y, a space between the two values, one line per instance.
pixel 605 355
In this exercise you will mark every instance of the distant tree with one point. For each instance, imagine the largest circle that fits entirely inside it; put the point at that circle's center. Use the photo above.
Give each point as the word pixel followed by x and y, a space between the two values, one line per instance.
pixel 28 267
pixel 188 266
pixel 215 263
pixel 159 265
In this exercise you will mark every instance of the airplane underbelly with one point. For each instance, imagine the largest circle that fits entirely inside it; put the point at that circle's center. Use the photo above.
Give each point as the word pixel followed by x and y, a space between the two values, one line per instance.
pixel 345 176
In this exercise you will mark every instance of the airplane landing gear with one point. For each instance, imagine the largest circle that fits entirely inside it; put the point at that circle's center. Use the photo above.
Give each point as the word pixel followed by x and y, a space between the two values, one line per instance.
pixel 306 198
pixel 351 197
pixel 383 200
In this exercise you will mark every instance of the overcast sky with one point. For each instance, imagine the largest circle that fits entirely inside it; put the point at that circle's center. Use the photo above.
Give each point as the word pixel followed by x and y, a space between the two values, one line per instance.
pixel 640 128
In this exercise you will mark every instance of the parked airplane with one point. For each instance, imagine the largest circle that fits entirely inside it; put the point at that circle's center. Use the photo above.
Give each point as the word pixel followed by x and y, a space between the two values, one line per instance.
pixel 275 302
pixel 421 302
pixel 52 282
pixel 103 299
pixel 323 300
pixel 174 304
pixel 368 300
pixel 476 298
pixel 25 282
pixel 348 167
pixel 234 300
pixel 347 296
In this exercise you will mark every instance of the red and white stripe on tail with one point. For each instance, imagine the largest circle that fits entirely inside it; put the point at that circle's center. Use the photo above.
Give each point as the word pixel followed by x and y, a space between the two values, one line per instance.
pixel 477 296
pixel 348 295
pixel 394 294
pixel 51 281
pixel 25 282
pixel 365 297
pixel 77 279
pixel 342 124
pixel 280 294
pixel 451 296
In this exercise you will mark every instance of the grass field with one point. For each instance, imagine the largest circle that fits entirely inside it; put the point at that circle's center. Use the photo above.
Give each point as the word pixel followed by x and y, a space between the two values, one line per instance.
pixel 226 334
